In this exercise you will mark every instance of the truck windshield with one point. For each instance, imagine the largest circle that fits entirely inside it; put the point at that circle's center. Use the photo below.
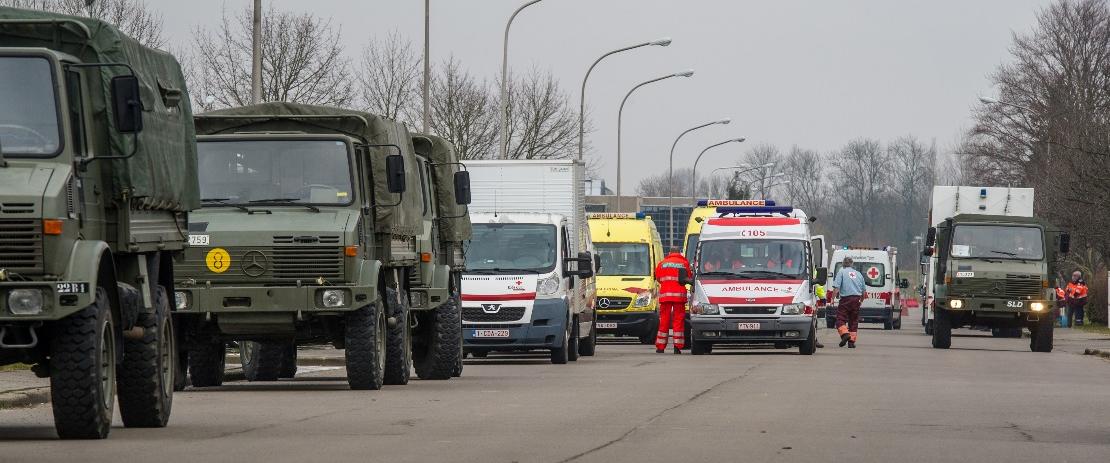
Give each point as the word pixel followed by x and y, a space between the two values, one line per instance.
pixel 997 242
pixel 752 259
pixel 624 259
pixel 274 172
pixel 496 248
pixel 874 273
pixel 28 107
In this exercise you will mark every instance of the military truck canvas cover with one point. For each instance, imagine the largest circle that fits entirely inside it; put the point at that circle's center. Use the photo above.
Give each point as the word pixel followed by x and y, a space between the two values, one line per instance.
pixel 162 173
pixel 454 221
pixel 404 218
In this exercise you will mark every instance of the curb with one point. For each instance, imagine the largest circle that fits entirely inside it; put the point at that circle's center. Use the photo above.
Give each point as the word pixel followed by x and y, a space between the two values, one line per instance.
pixel 1097 352
pixel 29 397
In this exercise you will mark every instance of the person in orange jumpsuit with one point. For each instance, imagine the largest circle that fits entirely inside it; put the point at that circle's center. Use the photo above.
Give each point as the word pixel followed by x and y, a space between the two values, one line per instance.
pixel 1076 298
pixel 672 300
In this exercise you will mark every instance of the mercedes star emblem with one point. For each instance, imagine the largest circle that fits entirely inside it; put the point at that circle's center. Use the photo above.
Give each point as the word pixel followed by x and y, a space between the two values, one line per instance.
pixel 254 263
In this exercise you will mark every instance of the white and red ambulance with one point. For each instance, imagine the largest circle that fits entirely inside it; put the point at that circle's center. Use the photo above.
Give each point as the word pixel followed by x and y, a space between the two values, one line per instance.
pixel 755 271
pixel 882 302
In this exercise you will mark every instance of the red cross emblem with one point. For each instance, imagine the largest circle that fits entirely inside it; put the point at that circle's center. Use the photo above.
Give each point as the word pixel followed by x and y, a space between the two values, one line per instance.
pixel 873 273
pixel 519 282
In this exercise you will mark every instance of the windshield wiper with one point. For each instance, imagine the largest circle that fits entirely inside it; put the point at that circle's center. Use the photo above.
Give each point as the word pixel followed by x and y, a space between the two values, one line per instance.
pixel 221 201
pixel 766 273
pixel 289 201
pixel 496 271
pixel 1005 253
pixel 718 273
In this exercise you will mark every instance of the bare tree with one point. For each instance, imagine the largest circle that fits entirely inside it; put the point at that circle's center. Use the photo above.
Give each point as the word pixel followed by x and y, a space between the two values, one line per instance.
pixel 861 175
pixel 463 111
pixel 805 187
pixel 542 121
pixel 132 17
pixel 302 61
pixel 767 160
pixel 388 75
pixel 659 185
pixel 913 176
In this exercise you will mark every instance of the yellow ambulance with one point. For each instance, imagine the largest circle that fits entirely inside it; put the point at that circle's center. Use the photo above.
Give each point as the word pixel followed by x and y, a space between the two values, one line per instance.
pixel 629 247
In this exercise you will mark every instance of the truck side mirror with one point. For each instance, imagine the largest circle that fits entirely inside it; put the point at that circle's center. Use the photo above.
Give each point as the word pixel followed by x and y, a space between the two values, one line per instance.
pixel 822 275
pixel 583 266
pixel 462 187
pixel 127 104
pixel 931 238
pixel 904 283
pixel 395 173
pixel 1065 243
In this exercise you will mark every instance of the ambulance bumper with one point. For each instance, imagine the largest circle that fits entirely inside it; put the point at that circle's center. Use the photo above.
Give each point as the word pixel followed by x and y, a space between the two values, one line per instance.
pixel 751 331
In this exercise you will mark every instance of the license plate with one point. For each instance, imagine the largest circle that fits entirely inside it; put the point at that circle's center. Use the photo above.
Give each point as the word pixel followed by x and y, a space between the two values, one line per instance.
pixel 199 240
pixel 72 288
pixel 606 326
pixel 491 333
pixel 749 326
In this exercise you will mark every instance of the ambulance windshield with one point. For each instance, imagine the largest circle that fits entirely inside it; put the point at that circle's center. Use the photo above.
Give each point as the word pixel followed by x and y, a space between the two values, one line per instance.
pixel 752 259
pixel 624 259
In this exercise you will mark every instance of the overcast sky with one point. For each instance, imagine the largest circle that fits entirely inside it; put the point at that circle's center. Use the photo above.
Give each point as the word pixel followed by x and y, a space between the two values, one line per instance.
pixel 814 73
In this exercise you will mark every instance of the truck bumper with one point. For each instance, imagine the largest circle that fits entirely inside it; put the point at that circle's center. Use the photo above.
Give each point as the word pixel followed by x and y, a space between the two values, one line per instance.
pixel 726 330
pixel 56 304
pixel 544 331
pixel 254 299
pixel 628 323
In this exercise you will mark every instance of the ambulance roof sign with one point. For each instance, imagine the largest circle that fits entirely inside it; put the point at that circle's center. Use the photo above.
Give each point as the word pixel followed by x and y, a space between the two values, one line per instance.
pixel 735 202
pixel 616 215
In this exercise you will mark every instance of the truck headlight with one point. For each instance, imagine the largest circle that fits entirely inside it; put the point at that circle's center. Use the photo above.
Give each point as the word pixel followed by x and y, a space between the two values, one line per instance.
pixel 180 300
pixel 548 286
pixel 25 301
pixel 1037 306
pixel 702 308
pixel 956 304
pixel 642 300
pixel 334 298
pixel 796 308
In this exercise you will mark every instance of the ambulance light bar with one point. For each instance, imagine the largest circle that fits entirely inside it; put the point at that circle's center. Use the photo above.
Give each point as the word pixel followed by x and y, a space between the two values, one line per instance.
pixel 756 210
pixel 617 215
pixel 735 202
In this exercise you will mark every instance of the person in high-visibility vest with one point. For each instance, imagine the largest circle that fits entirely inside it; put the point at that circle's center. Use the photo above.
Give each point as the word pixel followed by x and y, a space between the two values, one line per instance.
pixel 1076 297
pixel 672 300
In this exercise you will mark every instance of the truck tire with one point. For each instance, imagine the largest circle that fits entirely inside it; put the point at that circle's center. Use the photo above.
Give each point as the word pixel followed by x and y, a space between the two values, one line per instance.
pixel 289 361
pixel 440 342
pixel 572 346
pixel 364 334
pixel 809 346
pixel 1041 335
pixel 559 354
pixel 587 347
pixel 457 372
pixel 398 357
pixel 262 361
pixel 83 371
pixel 942 329
pixel 146 375
pixel 207 359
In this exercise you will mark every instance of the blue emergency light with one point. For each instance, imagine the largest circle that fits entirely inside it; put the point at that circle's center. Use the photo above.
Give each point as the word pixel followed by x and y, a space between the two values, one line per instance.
pixel 756 210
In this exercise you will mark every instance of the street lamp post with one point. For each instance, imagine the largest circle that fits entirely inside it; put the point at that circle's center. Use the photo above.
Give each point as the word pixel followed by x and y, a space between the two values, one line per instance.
pixel 670 175
pixel 694 173
pixel 663 42
pixel 504 81
pixel 620 114
pixel 256 53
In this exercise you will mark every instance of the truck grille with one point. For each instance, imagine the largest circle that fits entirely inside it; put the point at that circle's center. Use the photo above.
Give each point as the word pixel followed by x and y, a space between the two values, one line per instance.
pixel 613 303
pixel 21 246
pixel 267 265
pixel 505 314
pixel 1013 287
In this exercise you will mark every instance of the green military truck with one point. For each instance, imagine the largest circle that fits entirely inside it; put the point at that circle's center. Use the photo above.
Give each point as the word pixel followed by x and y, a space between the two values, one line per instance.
pixel 308 233
pixel 97 174
pixel 990 264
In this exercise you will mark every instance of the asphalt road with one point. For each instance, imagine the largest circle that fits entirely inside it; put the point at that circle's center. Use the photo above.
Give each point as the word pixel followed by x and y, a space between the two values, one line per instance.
pixel 892 399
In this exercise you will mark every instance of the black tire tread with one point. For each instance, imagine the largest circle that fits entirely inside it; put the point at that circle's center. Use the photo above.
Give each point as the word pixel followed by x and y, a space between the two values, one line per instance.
pixel 441 348
pixel 73 378
pixel 138 377
pixel 207 358
pixel 942 329
pixel 398 355
pixel 266 363
pixel 365 369
pixel 588 346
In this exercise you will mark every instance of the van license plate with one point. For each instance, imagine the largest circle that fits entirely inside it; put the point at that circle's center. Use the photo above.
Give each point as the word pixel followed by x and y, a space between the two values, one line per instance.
pixel 749 327
pixel 606 326
pixel 491 333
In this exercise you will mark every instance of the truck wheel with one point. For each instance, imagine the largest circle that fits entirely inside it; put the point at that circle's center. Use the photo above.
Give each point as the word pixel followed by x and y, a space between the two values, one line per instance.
pixel 146 376
pixel 457 372
pixel 1041 340
pixel 572 347
pixel 262 361
pixel 398 357
pixel 809 346
pixel 942 329
pixel 559 354
pixel 206 363
pixel 83 371
pixel 289 361
pixel 587 347
pixel 440 341
pixel 364 340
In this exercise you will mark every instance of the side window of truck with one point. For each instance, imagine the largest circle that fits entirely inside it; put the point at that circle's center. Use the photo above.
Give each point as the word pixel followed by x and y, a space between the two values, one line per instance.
pixel 75 111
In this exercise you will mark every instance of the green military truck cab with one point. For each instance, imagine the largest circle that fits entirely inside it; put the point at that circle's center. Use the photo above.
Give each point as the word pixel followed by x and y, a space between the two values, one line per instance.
pixel 97 174
pixel 994 271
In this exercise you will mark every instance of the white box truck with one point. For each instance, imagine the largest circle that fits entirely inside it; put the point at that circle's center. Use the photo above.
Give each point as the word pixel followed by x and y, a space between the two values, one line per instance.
pixel 529 281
